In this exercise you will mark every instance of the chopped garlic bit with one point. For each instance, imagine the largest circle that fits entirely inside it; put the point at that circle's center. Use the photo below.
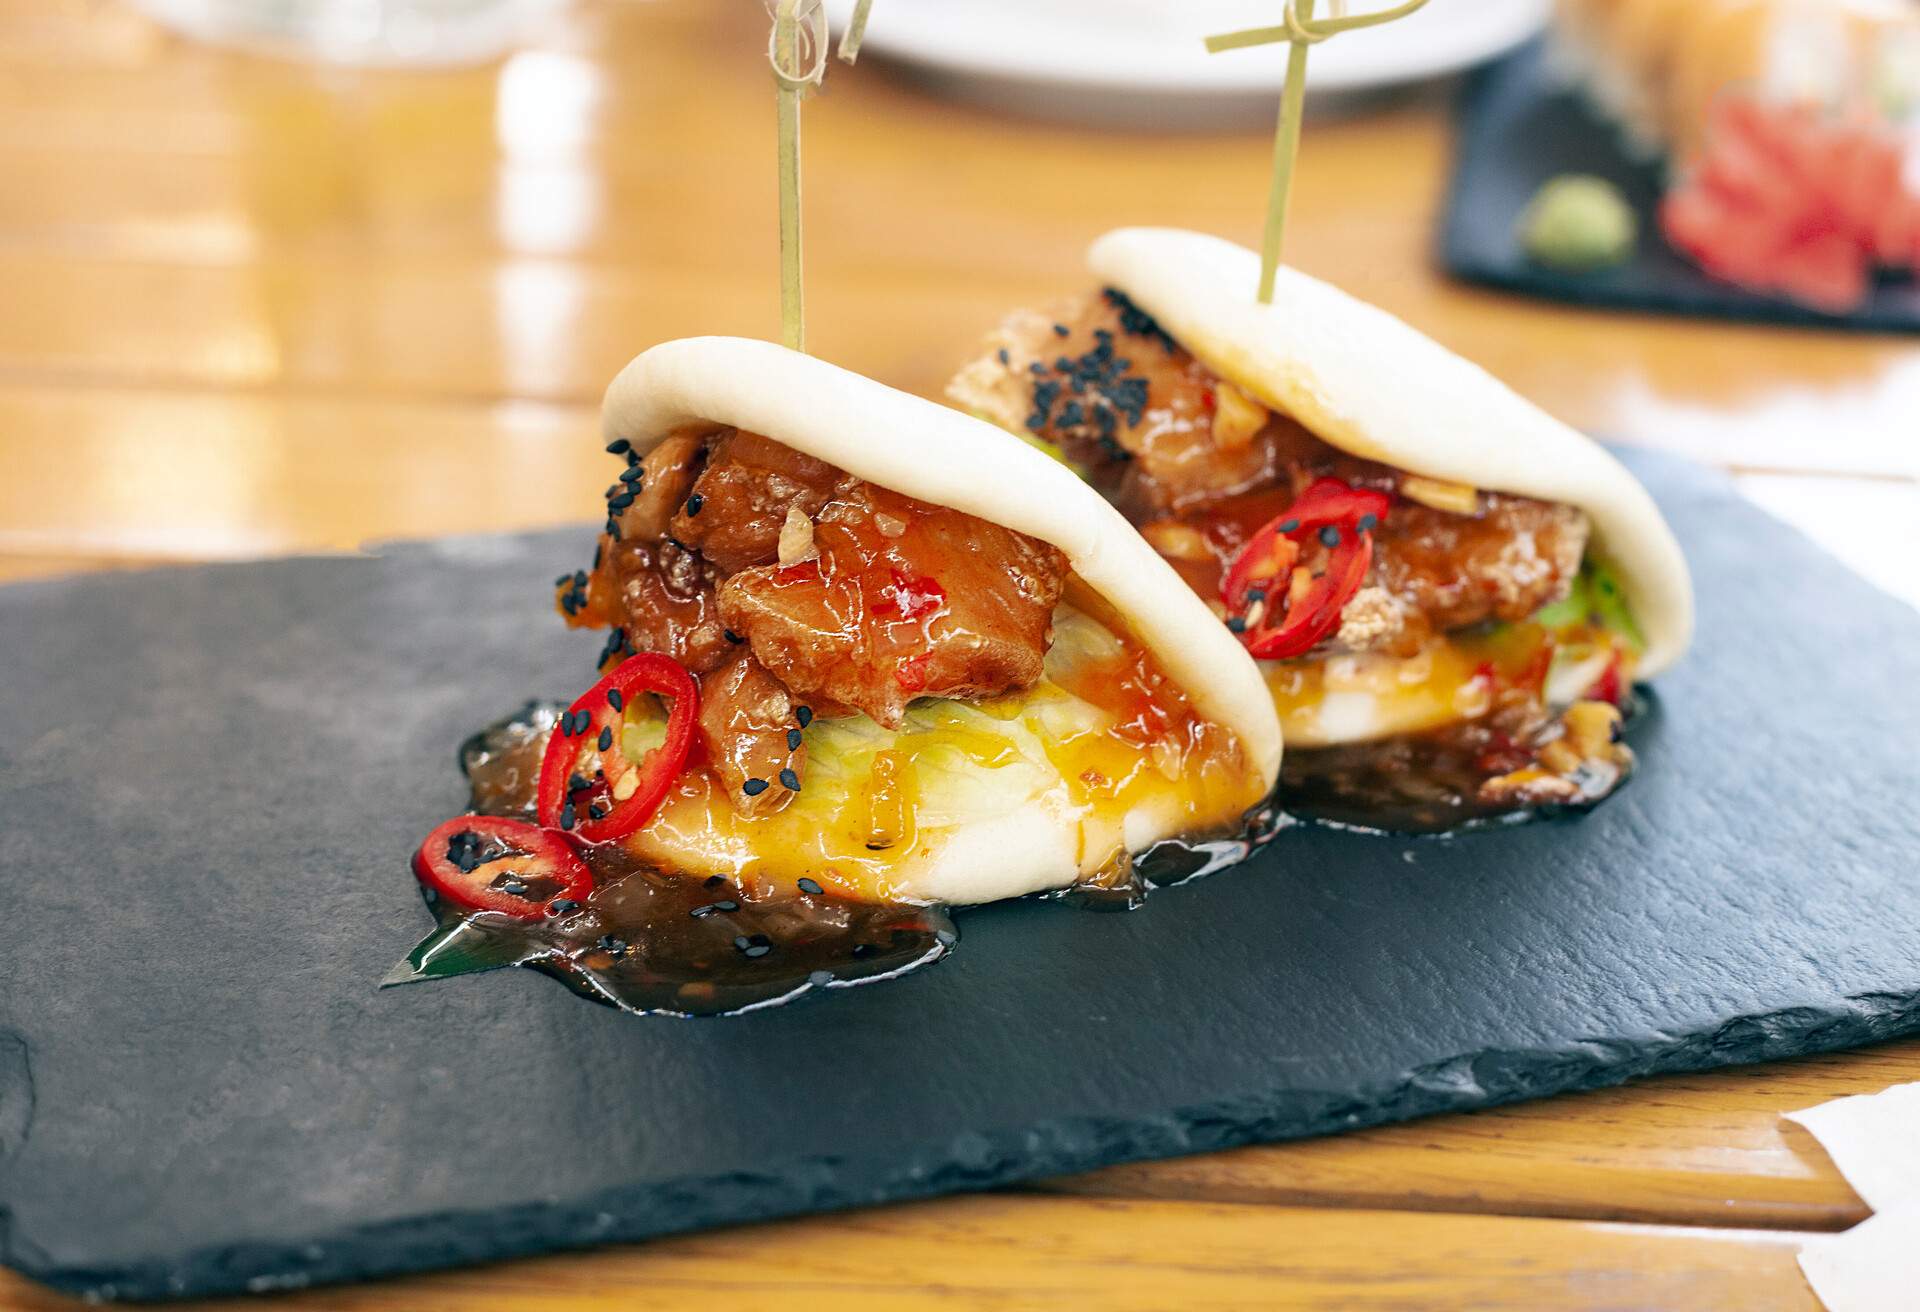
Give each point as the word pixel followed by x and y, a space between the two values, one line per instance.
pixel 1593 728
pixel 626 785
pixel 1459 498
pixel 1236 417
pixel 1176 541
pixel 890 526
pixel 796 538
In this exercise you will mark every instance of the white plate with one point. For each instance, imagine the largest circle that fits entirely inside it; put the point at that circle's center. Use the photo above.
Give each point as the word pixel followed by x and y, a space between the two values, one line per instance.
pixel 1097 55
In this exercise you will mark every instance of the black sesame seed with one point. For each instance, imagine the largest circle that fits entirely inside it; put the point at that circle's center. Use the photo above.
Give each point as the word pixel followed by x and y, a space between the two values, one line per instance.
pixel 613 530
pixel 577 783
pixel 810 887
pixel 619 447
pixel 620 502
pixel 563 580
pixel 714 881
pixel 1256 594
pixel 757 950
pixel 582 721
pixel 597 549
pixel 1236 624
pixel 612 946
pixel 732 636
pixel 793 740
pixel 1330 536
pixel 742 942
pixel 1289 526
pixel 514 887
pixel 1004 358
pixel 1059 330
pixel 615 700
pixel 606 737
pixel 567 816
pixel 754 787
pixel 694 503
pixel 804 715
pixel 632 474
pixel 713 908
pixel 563 906
pixel 1136 321
pixel 789 780
pixel 1367 522
pixel 597 811
pixel 946 938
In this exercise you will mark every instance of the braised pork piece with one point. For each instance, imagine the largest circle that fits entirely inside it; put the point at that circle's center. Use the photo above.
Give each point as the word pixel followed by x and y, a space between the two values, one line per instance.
pixel 789 588
pixel 1200 467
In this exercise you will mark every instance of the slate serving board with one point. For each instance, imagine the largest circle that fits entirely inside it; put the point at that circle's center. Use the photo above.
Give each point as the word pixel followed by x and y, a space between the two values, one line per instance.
pixel 211 778
pixel 1518 125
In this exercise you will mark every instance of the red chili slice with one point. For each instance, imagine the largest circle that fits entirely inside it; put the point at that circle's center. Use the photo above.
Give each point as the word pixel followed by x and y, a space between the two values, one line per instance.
pixel 1287 627
pixel 1607 688
pixel 597 802
pixel 491 863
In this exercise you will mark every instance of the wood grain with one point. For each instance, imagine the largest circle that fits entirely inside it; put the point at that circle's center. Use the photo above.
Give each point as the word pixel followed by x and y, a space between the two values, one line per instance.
pixel 1007 1252
pixel 1706 1149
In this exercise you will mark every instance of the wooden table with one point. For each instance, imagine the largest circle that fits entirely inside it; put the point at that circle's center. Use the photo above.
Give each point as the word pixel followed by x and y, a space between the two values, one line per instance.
pixel 247 308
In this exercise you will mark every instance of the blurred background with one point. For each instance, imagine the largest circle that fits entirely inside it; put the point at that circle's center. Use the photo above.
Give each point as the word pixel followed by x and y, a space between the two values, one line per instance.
pixel 286 275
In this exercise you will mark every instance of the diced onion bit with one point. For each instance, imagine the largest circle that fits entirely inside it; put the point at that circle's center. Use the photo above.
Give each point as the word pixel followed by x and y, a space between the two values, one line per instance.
pixel 1236 417
pixel 1437 493
pixel 796 538
pixel 1177 541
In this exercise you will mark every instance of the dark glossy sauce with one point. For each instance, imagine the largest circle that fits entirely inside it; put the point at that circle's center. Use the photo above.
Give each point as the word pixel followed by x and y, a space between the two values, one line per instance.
pixel 1422 783
pixel 646 941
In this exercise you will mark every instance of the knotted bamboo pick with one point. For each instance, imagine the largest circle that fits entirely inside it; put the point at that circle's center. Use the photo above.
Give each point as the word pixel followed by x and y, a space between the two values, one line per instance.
pixel 1300 30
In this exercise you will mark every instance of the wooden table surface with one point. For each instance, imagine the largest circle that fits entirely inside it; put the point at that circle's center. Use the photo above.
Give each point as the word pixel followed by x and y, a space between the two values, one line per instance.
pixel 249 308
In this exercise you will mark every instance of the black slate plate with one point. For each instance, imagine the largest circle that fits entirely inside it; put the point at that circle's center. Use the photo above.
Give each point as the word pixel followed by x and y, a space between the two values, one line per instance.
pixel 1517 127
pixel 210 780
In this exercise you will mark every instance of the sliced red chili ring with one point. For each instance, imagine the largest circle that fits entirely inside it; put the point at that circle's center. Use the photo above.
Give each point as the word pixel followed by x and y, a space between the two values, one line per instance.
pixel 610 800
pixel 1312 618
pixel 1607 687
pixel 491 863
pixel 1291 626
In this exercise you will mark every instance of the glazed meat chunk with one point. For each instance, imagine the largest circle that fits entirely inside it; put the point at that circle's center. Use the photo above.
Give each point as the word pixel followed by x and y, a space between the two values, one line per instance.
pixel 783 583
pixel 899 599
